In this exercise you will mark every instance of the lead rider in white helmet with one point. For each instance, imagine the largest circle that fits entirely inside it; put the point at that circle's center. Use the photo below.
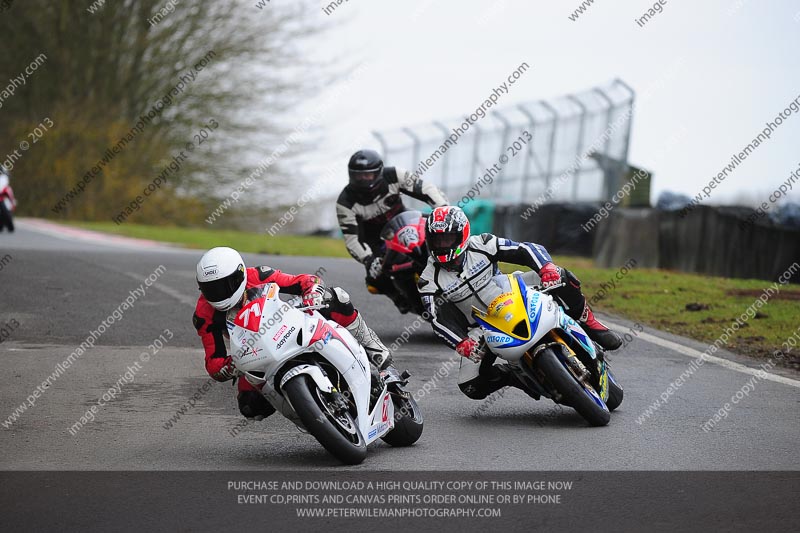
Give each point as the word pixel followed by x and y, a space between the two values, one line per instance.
pixel 223 280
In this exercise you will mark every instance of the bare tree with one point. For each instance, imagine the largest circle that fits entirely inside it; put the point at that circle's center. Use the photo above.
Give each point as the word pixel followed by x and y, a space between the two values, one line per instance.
pixel 176 64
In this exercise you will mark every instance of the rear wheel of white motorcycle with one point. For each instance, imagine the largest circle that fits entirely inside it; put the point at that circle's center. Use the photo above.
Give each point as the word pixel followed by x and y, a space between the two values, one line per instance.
pixel 586 402
pixel 408 422
pixel 334 429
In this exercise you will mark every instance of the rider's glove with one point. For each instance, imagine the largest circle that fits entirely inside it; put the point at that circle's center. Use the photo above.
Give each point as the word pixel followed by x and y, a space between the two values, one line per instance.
pixel 314 295
pixel 228 371
pixel 470 348
pixel 550 275
pixel 374 266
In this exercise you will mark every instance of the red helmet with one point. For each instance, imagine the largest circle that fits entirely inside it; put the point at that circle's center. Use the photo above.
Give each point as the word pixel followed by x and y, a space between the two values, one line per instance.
pixel 447 233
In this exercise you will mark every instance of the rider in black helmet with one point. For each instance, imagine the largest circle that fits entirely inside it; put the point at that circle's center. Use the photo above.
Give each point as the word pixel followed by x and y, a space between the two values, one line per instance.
pixel 365 170
pixel 372 198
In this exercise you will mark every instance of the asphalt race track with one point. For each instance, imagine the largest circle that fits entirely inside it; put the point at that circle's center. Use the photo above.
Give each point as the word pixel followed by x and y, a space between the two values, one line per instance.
pixel 58 285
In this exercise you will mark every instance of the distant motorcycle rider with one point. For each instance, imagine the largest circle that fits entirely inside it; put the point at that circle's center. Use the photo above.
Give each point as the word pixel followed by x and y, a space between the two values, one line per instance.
pixel 224 282
pixel 7 201
pixel 367 203
pixel 459 274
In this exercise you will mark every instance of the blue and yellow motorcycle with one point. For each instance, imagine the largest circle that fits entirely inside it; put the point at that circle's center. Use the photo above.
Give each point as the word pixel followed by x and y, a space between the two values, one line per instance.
pixel 548 352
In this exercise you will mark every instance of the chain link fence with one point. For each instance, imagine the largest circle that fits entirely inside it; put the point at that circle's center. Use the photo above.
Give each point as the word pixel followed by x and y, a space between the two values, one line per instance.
pixel 579 149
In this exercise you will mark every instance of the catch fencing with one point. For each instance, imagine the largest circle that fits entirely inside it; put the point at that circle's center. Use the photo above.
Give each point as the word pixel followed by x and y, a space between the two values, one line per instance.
pixel 578 150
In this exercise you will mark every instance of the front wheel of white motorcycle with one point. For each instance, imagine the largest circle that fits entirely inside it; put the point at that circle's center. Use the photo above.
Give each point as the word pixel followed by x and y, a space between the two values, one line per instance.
pixel 581 397
pixel 334 428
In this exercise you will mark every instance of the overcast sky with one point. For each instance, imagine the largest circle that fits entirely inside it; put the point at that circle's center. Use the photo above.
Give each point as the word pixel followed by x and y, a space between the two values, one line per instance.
pixel 429 60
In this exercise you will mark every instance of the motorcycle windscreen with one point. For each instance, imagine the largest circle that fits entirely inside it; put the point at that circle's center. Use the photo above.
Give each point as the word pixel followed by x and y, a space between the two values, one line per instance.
pixel 507 313
pixel 407 227
pixel 398 222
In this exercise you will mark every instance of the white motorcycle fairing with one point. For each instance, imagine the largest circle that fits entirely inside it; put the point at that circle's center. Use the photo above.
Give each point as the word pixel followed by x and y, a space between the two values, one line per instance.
pixel 268 334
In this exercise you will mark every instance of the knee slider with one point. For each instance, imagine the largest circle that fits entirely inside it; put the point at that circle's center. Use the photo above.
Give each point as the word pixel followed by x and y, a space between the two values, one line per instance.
pixel 340 302
pixel 571 278
pixel 340 295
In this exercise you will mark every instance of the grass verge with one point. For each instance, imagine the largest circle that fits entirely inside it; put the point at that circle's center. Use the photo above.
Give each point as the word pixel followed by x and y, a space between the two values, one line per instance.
pixel 242 241
pixel 695 306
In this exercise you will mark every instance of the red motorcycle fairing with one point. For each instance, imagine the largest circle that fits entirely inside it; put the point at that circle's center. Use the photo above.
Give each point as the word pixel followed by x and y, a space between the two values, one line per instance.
pixel 324 333
pixel 405 232
pixel 243 318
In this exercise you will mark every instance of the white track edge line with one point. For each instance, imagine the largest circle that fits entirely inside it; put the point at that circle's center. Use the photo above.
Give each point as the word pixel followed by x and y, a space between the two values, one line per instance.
pixel 731 365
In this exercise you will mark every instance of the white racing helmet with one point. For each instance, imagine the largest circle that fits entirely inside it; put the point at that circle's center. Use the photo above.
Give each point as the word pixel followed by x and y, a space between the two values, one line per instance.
pixel 221 277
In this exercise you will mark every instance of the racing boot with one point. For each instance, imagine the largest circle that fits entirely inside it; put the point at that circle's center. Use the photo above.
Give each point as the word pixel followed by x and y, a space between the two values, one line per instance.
pixel 598 332
pixel 377 353
pixel 491 378
pixel 507 376
pixel 253 405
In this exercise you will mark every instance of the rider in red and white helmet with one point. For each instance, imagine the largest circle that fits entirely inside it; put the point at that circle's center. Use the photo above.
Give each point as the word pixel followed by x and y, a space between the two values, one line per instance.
pixel 447 232
pixel 459 273
pixel 223 281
